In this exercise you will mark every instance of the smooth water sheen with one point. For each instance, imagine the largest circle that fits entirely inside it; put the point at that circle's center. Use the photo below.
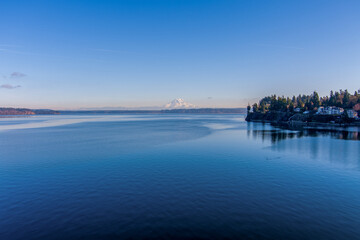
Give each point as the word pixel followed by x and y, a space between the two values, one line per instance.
pixel 175 177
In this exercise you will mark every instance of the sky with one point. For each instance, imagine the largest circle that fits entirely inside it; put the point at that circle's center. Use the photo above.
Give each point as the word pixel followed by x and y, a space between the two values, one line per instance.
pixel 224 53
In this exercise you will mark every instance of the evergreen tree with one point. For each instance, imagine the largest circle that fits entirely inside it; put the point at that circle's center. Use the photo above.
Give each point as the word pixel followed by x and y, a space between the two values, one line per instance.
pixel 346 98
pixel 341 99
pixel 255 107
pixel 315 99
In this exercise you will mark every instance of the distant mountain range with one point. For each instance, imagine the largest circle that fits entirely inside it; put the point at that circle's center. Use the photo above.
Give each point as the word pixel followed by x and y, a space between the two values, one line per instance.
pixel 176 106
pixel 178 103
pixel 25 111
pixel 185 111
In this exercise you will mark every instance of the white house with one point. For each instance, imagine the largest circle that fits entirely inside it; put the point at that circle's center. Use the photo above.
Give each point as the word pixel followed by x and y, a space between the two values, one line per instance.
pixel 330 111
pixel 321 110
pixel 337 111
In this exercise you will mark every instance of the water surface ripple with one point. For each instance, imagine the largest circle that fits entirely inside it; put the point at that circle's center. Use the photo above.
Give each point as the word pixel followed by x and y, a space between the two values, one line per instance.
pixel 175 177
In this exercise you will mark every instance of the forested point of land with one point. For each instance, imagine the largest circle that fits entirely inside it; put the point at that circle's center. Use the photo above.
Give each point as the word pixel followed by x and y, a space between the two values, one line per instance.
pixel 341 99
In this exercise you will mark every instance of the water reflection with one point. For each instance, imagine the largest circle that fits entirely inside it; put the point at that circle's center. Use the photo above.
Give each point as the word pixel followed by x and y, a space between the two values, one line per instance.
pixel 276 135
pixel 318 145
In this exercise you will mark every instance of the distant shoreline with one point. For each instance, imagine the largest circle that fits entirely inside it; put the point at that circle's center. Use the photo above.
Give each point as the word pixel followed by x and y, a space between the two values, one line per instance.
pixel 25 111
pixel 185 111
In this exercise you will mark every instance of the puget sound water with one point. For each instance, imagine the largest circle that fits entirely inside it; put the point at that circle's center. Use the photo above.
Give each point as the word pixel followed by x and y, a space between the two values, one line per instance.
pixel 175 176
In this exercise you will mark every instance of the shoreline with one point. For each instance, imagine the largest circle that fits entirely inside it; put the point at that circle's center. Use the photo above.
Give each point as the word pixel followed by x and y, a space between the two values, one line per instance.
pixel 282 120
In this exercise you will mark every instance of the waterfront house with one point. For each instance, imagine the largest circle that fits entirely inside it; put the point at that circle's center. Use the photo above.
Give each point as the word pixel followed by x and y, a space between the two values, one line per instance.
pixel 330 111
pixel 321 110
pixel 337 111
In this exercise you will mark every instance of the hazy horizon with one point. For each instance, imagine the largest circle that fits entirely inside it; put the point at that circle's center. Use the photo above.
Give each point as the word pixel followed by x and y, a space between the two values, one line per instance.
pixel 96 54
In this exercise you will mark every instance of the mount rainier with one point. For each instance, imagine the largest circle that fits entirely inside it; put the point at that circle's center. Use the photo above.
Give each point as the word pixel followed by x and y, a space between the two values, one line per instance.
pixel 179 103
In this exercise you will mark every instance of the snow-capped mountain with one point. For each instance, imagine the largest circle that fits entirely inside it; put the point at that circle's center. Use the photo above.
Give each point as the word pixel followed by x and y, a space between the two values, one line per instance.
pixel 179 103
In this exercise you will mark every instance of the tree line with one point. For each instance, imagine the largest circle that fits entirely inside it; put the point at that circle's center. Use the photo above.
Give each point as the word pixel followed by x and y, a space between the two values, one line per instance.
pixel 341 98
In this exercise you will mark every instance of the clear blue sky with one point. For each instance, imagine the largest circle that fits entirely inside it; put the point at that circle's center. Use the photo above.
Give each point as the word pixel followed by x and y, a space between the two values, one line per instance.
pixel 72 54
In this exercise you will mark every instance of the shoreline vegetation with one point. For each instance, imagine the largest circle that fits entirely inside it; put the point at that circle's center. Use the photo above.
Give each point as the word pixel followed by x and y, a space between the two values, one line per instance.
pixel 338 111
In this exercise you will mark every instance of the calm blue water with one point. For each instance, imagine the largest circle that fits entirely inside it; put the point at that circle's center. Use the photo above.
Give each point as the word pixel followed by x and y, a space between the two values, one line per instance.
pixel 175 177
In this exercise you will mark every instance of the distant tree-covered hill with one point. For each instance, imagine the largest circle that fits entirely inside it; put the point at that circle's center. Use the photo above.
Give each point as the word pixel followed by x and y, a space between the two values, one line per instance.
pixel 25 111
pixel 16 111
